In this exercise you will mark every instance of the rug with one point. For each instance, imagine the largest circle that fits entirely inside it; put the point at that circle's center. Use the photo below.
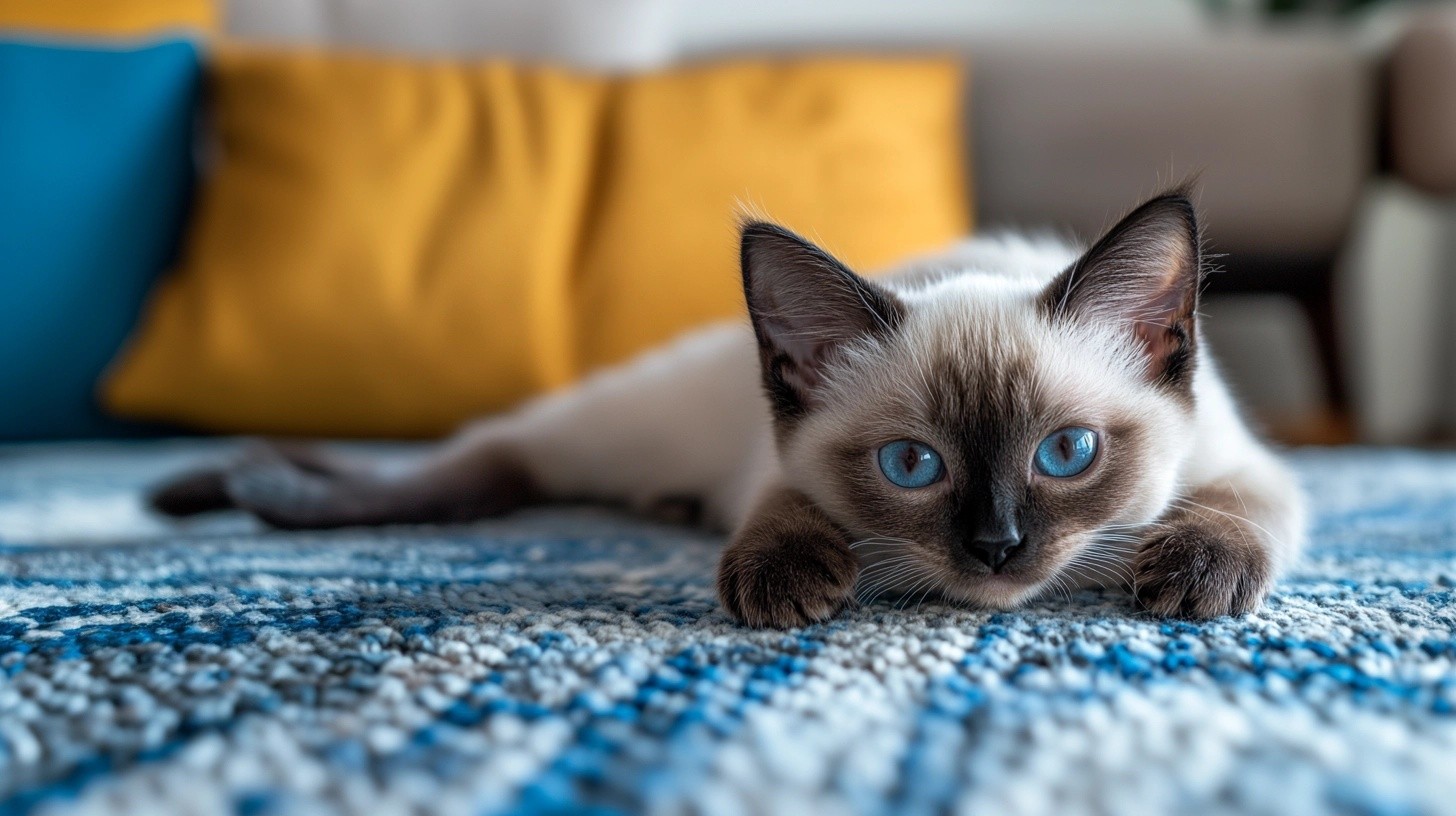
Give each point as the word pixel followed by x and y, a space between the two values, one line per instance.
pixel 575 661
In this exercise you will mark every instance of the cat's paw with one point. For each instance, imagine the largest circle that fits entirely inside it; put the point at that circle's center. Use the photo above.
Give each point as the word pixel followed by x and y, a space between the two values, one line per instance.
pixel 290 493
pixel 786 578
pixel 192 494
pixel 285 485
pixel 1197 570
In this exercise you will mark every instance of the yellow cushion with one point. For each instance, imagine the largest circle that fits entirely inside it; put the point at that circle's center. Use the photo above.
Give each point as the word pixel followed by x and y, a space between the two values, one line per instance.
pixel 107 16
pixel 389 247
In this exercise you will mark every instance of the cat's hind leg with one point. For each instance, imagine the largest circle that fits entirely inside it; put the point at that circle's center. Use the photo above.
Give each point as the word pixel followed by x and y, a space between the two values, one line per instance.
pixel 296 487
pixel 685 426
pixel 206 491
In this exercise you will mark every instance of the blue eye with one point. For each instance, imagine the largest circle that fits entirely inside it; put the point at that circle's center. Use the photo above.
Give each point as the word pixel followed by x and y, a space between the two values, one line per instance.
pixel 1066 452
pixel 910 464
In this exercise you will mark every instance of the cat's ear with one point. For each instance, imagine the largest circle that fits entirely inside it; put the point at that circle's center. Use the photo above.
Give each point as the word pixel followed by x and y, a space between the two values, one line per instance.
pixel 1144 274
pixel 806 307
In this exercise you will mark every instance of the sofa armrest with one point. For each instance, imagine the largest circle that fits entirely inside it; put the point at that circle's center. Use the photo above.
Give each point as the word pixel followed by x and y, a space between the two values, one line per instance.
pixel 1422 103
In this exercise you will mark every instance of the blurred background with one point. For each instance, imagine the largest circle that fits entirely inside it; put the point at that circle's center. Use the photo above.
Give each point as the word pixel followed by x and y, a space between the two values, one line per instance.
pixel 1323 131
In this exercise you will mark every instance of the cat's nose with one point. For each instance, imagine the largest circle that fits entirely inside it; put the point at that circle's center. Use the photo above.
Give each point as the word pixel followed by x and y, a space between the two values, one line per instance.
pixel 992 549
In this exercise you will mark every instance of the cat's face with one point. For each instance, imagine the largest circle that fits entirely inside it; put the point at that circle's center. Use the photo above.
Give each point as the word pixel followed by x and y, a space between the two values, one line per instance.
pixel 986 439
pixel 991 445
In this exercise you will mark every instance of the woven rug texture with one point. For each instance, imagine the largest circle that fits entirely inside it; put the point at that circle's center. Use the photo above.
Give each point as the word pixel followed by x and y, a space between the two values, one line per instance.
pixel 576 661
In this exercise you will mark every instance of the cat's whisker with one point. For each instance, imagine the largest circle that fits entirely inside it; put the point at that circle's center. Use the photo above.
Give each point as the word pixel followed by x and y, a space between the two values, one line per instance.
pixel 885 573
pixel 1098 554
pixel 920 579
pixel 1103 571
pixel 874 542
pixel 870 576
pixel 1110 562
pixel 1111 549
pixel 1102 551
pixel 1100 569
pixel 891 575
pixel 1193 507
pixel 881 587
pixel 1240 496
pixel 1235 516
pixel 881 540
pixel 1060 584
pixel 1053 583
pixel 874 571
pixel 929 577
pixel 1119 533
pixel 896 540
pixel 931 587
pixel 893 558
pixel 885 540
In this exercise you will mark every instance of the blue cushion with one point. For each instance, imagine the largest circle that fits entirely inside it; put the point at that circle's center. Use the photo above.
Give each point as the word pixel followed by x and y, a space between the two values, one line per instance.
pixel 95 176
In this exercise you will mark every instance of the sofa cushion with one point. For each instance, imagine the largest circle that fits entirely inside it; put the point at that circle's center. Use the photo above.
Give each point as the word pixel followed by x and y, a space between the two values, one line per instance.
pixel 391 246
pixel 95 165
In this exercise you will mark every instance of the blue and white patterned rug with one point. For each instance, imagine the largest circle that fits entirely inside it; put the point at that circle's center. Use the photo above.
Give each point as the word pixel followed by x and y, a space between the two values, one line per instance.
pixel 567 661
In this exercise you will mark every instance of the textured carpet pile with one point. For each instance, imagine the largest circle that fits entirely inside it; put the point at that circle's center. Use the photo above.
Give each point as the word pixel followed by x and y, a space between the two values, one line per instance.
pixel 576 661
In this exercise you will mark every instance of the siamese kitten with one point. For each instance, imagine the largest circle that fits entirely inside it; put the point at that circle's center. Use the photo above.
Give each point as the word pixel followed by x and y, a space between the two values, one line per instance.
pixel 1007 419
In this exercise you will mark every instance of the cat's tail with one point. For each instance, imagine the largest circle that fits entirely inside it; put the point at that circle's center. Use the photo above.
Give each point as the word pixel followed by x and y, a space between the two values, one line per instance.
pixel 297 487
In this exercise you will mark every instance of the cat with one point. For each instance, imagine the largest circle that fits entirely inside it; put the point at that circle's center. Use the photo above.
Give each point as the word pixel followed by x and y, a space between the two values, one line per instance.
pixel 1003 420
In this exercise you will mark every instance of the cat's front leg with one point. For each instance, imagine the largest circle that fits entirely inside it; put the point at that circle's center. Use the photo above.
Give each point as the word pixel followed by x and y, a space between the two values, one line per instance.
pixel 1219 548
pixel 788 565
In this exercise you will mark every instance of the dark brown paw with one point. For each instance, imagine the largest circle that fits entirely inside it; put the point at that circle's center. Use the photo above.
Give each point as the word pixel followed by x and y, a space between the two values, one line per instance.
pixel 786 578
pixel 1201 571
pixel 267 474
pixel 192 494
pixel 285 496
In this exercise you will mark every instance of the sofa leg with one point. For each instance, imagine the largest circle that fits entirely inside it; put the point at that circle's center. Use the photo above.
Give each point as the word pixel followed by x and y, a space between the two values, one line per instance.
pixel 1334 425
pixel 1320 307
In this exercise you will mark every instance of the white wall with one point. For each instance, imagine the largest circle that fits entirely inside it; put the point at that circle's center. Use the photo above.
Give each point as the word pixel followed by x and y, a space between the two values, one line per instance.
pixel 712 25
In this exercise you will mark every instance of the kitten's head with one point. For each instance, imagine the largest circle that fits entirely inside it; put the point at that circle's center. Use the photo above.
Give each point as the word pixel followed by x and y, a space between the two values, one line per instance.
pixel 997 432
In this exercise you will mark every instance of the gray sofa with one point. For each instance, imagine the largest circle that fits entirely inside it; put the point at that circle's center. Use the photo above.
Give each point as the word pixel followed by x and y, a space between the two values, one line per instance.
pixel 1075 111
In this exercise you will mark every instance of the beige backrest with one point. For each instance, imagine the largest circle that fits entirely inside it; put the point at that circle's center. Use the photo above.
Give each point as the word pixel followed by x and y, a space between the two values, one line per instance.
pixel 1422 91
pixel 1069 123
pixel 1281 130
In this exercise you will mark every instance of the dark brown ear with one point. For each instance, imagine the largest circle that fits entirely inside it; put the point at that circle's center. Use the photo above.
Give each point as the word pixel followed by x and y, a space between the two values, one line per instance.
pixel 1145 273
pixel 806 308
